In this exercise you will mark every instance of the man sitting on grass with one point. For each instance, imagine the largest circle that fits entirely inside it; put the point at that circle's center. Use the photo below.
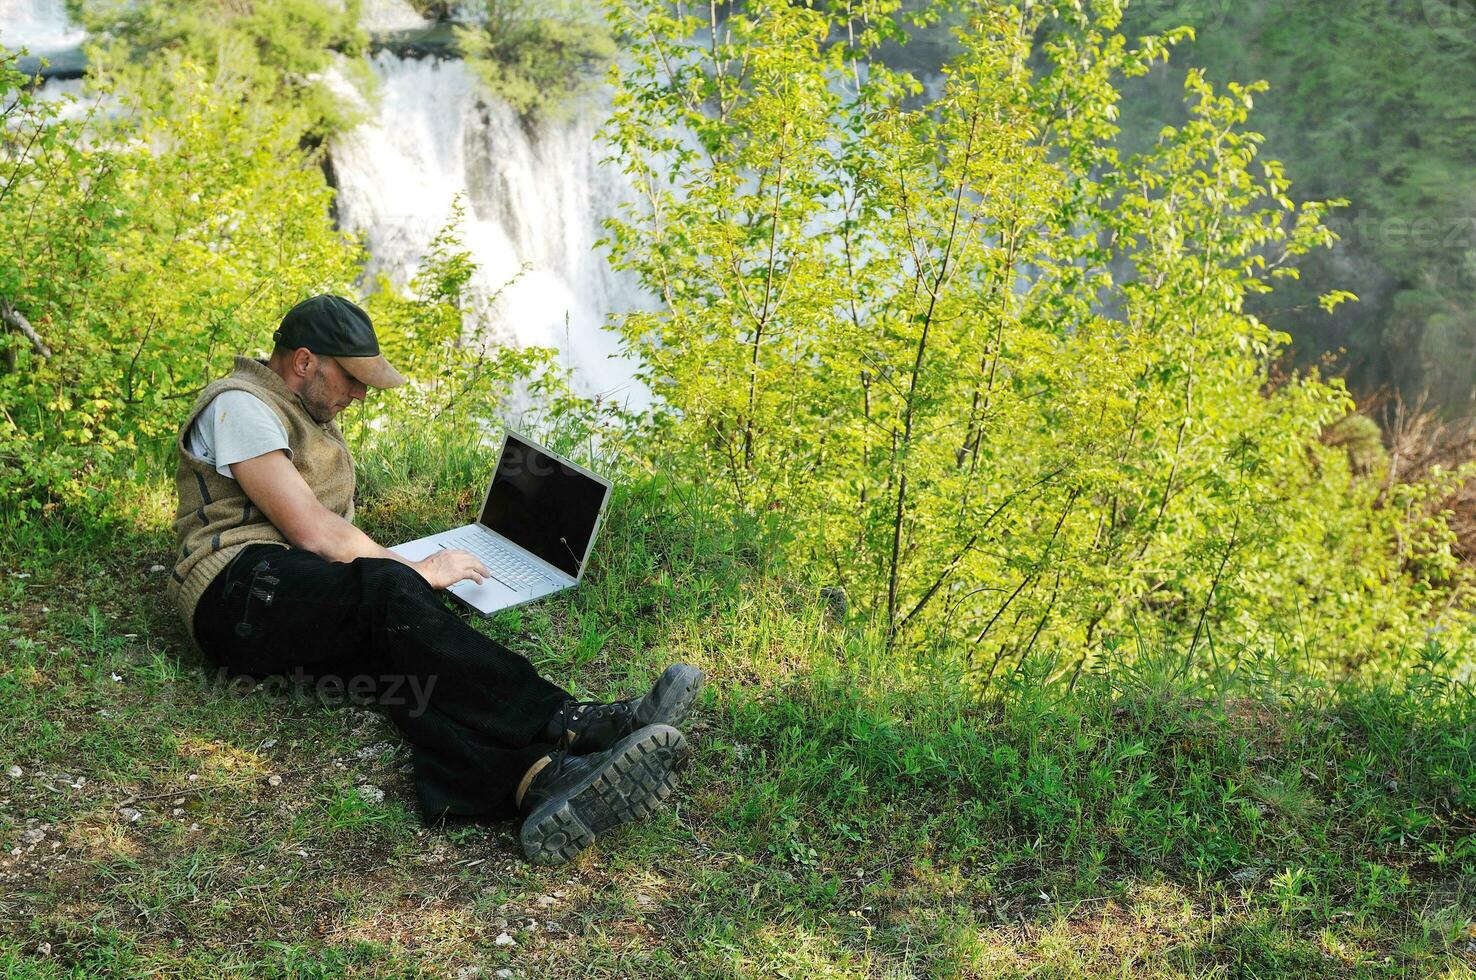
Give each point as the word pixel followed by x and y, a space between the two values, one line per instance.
pixel 273 578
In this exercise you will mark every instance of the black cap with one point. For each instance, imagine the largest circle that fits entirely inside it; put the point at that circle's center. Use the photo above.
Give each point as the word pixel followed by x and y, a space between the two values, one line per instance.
pixel 332 325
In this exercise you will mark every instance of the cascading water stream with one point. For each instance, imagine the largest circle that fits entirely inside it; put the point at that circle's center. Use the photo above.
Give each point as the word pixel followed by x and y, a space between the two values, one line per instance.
pixel 533 195
pixel 40 25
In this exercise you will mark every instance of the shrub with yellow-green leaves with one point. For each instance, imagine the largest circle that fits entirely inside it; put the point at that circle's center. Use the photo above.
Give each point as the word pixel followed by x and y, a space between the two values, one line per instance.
pixel 982 369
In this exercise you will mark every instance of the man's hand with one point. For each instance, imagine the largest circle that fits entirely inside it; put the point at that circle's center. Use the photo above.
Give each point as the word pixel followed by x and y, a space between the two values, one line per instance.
pixel 447 567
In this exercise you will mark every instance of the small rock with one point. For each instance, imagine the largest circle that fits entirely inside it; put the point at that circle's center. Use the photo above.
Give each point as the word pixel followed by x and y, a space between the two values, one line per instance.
pixel 371 793
pixel 547 901
pixel 269 743
pixel 130 815
pixel 33 836
pixel 44 949
pixel 503 974
pixel 274 780
pixel 503 939
pixel 14 772
pixel 194 826
pixel 155 569
pixel 374 751
pixel 177 812
pixel 468 973
pixel 192 777
pixel 117 678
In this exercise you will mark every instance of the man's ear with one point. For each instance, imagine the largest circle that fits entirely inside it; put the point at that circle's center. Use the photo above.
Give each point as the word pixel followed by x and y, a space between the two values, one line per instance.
pixel 302 362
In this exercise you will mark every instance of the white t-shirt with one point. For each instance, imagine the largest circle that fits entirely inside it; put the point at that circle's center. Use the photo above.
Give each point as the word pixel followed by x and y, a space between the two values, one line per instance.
pixel 235 426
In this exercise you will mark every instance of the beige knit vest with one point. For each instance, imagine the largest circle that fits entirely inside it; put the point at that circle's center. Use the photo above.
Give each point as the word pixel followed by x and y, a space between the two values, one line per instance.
pixel 216 519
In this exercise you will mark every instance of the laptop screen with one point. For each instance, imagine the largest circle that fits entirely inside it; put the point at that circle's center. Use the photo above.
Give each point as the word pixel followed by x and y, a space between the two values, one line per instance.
pixel 543 505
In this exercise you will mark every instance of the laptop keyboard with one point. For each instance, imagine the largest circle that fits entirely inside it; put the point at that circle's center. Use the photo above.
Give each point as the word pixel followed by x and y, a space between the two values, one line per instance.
pixel 505 564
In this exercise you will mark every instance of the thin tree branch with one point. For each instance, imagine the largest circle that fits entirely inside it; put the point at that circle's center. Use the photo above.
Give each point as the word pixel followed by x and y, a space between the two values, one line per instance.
pixel 16 321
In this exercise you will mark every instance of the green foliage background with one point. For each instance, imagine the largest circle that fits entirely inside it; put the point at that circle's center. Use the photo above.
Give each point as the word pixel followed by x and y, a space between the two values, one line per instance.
pixel 164 224
pixel 269 54
pixel 145 247
pixel 535 56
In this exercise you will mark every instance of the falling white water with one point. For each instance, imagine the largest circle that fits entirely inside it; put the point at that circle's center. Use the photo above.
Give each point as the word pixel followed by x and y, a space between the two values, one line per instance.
pixel 43 29
pixel 534 197
pixel 378 16
pixel 40 25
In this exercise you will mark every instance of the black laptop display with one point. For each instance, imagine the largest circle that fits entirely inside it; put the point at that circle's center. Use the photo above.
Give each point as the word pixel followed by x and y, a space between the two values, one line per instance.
pixel 543 505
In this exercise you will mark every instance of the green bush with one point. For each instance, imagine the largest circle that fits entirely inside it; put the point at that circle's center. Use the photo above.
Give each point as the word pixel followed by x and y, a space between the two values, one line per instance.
pixel 988 373
pixel 271 53
pixel 535 57
pixel 146 246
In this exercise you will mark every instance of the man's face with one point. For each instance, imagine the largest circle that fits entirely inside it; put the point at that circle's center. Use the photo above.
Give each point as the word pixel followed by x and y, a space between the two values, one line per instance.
pixel 329 389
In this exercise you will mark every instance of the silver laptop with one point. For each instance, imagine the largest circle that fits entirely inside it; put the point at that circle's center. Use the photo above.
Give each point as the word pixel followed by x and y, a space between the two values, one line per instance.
pixel 535 531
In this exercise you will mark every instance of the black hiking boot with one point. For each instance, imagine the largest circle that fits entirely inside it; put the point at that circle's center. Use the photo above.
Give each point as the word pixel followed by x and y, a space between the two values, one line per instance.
pixel 575 797
pixel 593 726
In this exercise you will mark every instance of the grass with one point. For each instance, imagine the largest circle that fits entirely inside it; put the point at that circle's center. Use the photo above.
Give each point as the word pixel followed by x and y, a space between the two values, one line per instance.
pixel 845 814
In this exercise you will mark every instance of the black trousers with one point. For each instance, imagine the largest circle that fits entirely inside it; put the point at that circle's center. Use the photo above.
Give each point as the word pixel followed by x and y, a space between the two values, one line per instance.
pixel 473 711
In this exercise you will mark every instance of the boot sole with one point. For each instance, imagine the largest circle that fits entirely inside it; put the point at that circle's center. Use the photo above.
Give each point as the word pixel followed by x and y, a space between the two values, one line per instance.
pixel 678 697
pixel 639 774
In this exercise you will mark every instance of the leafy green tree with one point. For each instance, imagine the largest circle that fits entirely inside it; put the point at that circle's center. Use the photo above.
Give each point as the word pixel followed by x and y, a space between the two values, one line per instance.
pixel 145 245
pixel 270 53
pixel 535 56
pixel 993 375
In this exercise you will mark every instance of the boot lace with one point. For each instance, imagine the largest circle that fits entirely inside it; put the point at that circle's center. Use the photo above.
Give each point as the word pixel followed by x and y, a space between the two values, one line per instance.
pixel 580 713
pixel 575 715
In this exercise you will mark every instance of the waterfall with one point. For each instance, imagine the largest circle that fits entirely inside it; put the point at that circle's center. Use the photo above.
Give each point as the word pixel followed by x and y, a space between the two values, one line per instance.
pixel 377 16
pixel 534 197
pixel 40 25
